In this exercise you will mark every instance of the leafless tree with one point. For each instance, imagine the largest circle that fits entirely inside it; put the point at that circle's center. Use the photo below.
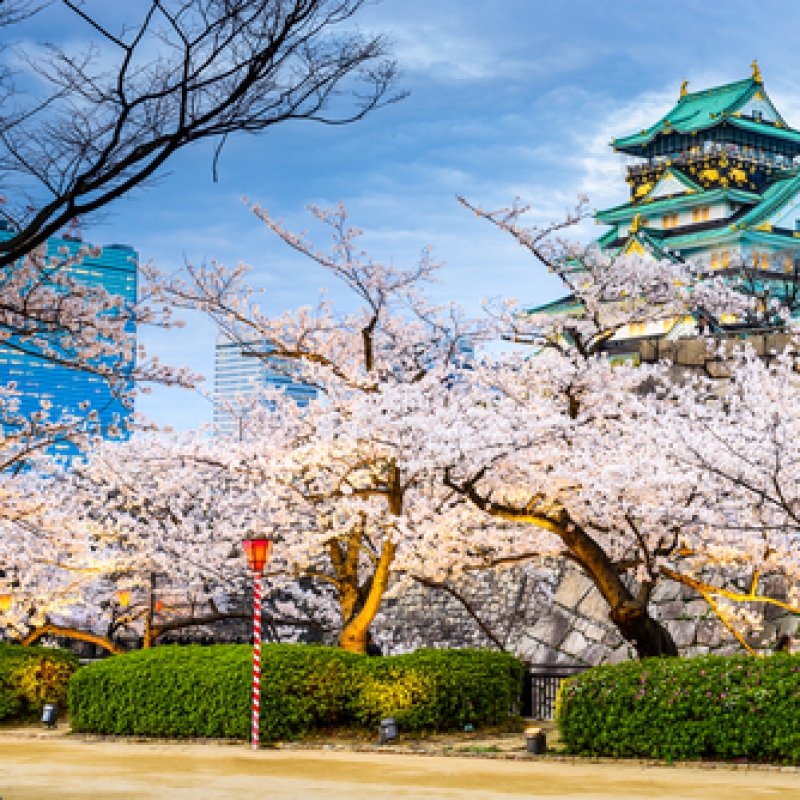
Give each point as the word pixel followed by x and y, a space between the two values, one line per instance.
pixel 186 71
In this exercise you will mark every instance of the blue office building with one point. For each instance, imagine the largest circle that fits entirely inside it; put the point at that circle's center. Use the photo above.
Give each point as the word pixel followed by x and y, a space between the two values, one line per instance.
pixel 37 378
pixel 241 369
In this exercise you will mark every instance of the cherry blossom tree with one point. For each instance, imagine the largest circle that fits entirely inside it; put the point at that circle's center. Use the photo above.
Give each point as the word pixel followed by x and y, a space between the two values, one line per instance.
pixel 738 540
pixel 557 441
pixel 146 539
pixel 357 504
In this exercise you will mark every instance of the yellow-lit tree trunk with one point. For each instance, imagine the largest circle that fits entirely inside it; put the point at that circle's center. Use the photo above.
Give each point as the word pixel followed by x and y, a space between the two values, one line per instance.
pixel 353 637
pixel 354 634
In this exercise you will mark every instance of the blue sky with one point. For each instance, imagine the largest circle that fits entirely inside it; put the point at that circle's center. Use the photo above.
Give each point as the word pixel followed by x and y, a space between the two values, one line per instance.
pixel 507 98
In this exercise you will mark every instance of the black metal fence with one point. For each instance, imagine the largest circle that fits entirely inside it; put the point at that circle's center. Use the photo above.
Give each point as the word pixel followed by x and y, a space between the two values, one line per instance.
pixel 541 687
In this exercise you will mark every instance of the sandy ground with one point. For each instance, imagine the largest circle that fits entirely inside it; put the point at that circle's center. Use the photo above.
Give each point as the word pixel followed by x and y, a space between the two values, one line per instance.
pixel 56 769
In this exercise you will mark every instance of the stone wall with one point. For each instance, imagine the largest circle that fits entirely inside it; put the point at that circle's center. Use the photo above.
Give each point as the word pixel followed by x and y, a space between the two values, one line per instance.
pixel 694 355
pixel 557 616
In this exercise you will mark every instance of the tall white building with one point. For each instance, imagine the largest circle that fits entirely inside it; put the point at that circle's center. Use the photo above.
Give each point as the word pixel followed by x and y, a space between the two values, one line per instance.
pixel 239 373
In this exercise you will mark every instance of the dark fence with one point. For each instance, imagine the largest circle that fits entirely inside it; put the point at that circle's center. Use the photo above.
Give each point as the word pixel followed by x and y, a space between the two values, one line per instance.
pixel 541 686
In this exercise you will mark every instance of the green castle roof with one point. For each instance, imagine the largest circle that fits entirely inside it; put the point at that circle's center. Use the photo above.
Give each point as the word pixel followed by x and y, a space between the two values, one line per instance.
pixel 697 198
pixel 696 111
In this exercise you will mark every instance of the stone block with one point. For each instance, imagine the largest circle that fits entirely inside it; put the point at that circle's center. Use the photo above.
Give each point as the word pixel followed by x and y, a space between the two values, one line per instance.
pixel 595 654
pixel 696 608
pixel 773 613
pixel 612 639
pixel 687 593
pixel 671 610
pixel 622 653
pixel 691 652
pixel 774 586
pixel 575 644
pixel 535 652
pixel 690 352
pixel 709 632
pixel 757 343
pixel 718 369
pixel 788 625
pixel 594 633
pixel 553 629
pixel 564 659
pixel 777 342
pixel 666 590
pixel 572 590
pixel 729 650
pixel 594 606
pixel 682 632
pixel 648 350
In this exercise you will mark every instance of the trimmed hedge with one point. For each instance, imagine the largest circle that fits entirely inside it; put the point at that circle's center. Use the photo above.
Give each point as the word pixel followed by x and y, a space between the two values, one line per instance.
pixel 675 709
pixel 31 677
pixel 205 691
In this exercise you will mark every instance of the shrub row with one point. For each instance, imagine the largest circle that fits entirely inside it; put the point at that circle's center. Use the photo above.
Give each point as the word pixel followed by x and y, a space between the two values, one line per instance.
pixel 205 691
pixel 712 706
pixel 31 677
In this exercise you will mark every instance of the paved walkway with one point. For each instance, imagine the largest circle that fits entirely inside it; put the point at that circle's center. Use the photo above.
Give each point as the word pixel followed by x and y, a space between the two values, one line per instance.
pixel 59 769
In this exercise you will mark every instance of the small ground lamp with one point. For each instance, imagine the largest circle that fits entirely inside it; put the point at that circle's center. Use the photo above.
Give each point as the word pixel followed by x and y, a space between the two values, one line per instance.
pixel 50 715
pixel 5 601
pixel 536 741
pixel 257 552
pixel 387 730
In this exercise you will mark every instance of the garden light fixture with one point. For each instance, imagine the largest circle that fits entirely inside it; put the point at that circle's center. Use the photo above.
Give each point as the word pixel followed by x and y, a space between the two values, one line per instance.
pixel 5 601
pixel 535 741
pixel 387 730
pixel 50 715
pixel 257 552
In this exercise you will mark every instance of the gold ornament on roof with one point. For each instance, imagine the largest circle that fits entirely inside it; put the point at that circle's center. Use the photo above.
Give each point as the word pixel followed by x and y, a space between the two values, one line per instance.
pixel 756 72
pixel 684 88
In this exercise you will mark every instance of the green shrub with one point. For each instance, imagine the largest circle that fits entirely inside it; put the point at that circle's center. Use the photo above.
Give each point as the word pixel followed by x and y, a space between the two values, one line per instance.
pixel 205 691
pixel 740 707
pixel 31 677
pixel 438 689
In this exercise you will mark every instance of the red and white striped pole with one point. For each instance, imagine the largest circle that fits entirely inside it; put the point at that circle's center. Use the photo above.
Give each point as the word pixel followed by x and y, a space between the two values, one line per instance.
pixel 257 552
pixel 256 655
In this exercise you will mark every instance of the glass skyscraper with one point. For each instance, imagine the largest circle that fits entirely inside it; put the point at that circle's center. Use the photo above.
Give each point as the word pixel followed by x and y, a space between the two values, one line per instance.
pixel 38 379
pixel 240 370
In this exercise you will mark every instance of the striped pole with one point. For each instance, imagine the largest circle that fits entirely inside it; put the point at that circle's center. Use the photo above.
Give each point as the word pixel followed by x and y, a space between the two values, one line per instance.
pixel 256 654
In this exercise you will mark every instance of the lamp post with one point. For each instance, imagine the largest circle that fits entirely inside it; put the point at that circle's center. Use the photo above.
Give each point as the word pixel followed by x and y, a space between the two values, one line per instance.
pixel 257 552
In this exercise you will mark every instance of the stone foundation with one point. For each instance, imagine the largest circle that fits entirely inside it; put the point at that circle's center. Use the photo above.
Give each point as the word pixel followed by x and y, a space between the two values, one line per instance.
pixel 557 616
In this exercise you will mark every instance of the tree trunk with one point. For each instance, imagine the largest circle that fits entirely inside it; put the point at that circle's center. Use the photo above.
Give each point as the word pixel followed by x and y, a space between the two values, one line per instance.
pixel 627 612
pixel 647 635
pixel 353 637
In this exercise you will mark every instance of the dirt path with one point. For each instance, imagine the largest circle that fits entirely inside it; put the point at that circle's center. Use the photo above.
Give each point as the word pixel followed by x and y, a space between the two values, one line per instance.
pixel 59 769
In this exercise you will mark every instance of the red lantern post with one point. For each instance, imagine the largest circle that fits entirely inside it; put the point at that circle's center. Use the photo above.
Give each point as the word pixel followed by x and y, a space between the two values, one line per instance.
pixel 257 552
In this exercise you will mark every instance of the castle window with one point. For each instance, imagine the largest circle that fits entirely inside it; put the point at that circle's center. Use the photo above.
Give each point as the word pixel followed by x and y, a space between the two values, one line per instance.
pixel 758 116
pixel 726 260
pixel 755 259
pixel 789 264
pixel 765 261
pixel 715 261
pixel 671 221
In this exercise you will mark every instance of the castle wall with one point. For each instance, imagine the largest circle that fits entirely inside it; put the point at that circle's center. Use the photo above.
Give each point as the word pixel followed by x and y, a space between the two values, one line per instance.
pixel 564 621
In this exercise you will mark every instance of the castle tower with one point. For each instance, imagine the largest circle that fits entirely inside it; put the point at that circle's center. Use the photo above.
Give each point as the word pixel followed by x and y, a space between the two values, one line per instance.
pixel 715 180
